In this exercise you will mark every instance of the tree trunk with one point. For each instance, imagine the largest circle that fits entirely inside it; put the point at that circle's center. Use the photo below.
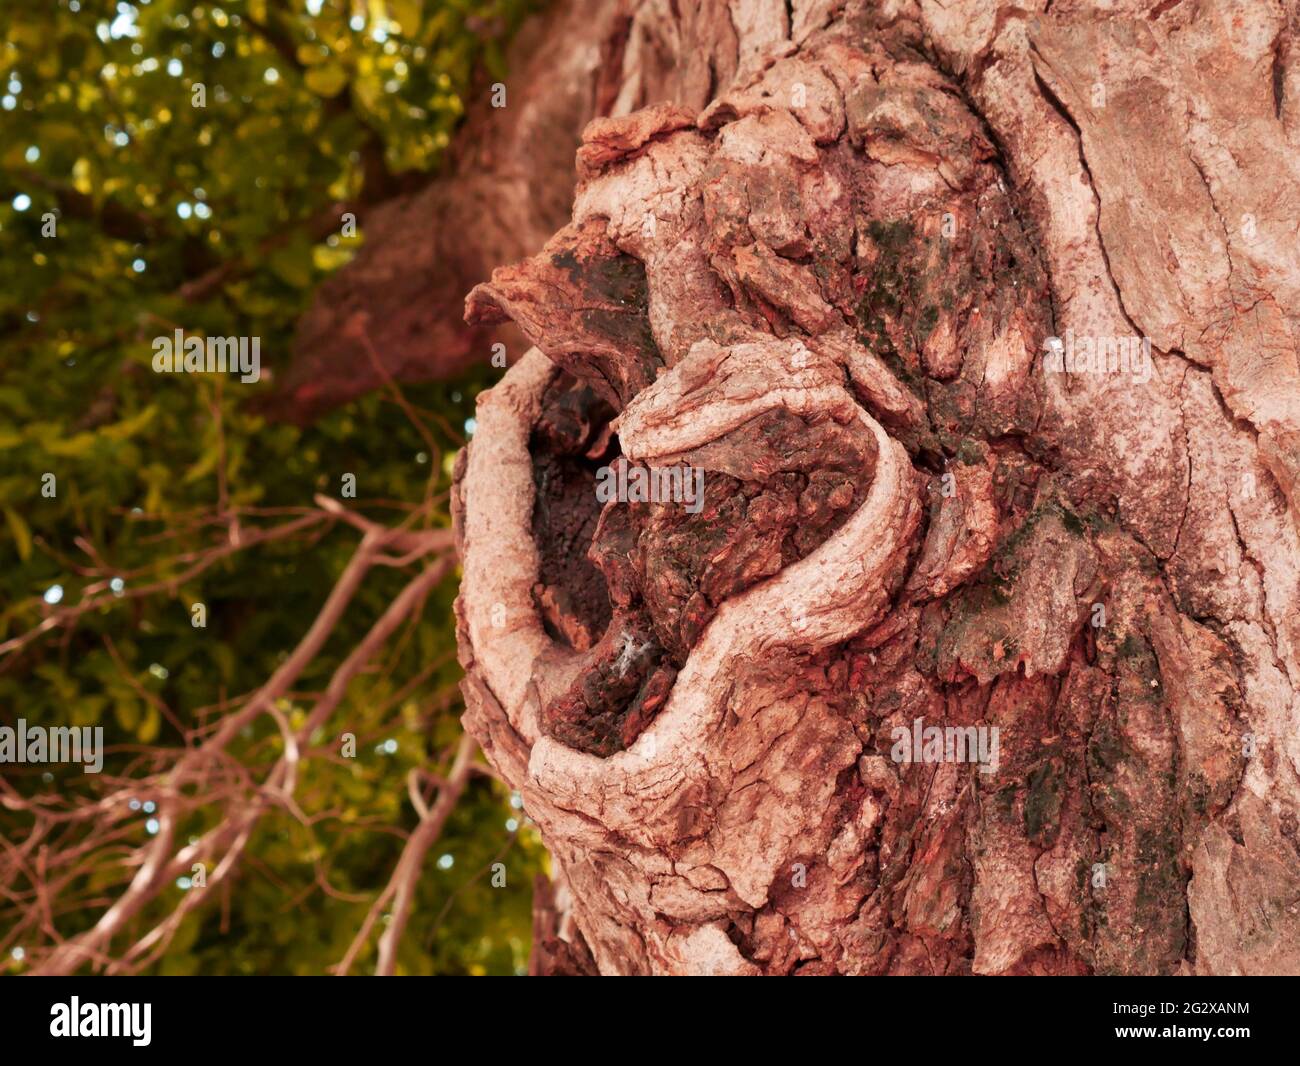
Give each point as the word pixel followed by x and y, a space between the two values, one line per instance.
pixel 980 652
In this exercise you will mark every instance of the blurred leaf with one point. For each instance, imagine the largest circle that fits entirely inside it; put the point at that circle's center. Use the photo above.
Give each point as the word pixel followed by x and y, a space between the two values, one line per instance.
pixel 129 427
pixel 22 533
pixel 327 79
pixel 407 13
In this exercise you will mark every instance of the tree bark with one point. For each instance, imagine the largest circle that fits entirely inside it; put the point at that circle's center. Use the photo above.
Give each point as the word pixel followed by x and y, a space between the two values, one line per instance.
pixel 981 322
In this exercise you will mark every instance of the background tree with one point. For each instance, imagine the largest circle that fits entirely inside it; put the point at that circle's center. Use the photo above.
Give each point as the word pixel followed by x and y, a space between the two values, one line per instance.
pixel 176 490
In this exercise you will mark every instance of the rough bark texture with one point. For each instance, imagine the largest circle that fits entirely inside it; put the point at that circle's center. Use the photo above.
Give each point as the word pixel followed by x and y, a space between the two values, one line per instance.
pixel 818 250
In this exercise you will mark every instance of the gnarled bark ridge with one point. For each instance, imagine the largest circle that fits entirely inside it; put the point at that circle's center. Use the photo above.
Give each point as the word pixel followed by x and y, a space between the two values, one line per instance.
pixel 980 324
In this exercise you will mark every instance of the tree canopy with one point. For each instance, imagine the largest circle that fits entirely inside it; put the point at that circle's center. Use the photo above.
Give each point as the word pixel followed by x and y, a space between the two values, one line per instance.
pixel 169 165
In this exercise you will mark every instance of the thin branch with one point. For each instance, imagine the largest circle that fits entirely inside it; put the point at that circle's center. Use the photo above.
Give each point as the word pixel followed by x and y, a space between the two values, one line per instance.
pixel 401 886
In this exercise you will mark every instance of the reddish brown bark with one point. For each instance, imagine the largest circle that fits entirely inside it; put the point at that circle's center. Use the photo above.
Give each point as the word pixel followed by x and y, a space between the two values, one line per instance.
pixel 825 266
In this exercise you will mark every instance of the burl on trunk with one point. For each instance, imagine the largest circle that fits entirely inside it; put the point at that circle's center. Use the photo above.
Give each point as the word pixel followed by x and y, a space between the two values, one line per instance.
pixel 886 559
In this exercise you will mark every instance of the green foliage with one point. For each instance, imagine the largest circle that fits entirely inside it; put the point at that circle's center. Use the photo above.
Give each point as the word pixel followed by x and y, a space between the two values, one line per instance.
pixel 158 202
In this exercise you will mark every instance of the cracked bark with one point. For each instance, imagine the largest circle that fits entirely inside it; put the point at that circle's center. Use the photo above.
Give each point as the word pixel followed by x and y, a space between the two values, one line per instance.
pixel 817 251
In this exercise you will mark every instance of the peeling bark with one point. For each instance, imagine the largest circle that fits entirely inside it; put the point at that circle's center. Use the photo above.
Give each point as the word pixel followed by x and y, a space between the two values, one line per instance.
pixel 824 263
